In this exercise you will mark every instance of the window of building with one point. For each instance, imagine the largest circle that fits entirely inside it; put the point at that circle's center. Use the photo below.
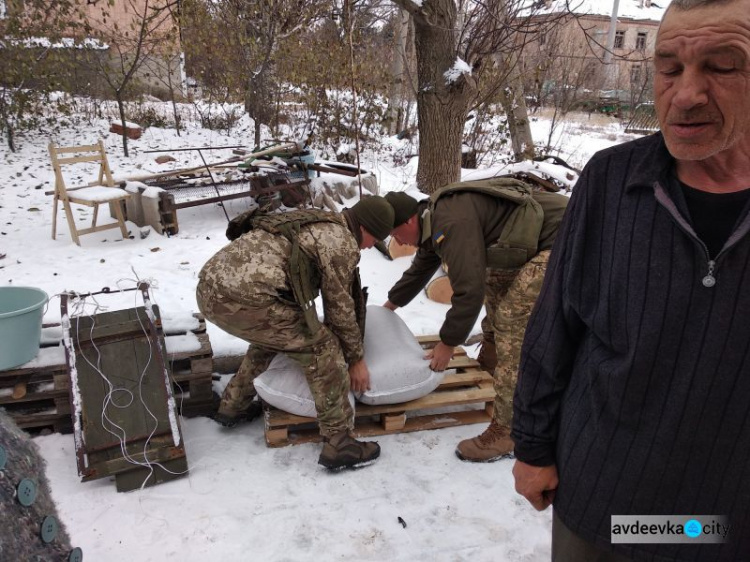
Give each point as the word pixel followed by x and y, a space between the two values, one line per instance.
pixel 619 39
pixel 542 38
pixel 640 40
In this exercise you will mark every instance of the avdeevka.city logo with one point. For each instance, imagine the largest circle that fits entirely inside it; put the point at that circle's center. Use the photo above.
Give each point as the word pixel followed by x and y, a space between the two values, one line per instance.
pixel 693 528
pixel 669 529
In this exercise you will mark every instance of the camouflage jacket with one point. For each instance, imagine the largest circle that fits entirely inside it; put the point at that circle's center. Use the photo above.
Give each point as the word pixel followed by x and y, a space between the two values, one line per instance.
pixel 254 269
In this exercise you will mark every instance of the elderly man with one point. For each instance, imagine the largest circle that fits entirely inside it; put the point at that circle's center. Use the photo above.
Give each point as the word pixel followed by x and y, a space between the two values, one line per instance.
pixel 493 237
pixel 632 396
pixel 261 288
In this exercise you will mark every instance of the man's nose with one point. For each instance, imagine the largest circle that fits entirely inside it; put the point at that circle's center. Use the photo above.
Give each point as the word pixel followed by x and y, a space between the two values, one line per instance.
pixel 692 89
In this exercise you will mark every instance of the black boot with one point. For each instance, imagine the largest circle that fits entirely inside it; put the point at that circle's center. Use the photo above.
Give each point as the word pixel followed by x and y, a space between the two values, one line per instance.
pixel 229 418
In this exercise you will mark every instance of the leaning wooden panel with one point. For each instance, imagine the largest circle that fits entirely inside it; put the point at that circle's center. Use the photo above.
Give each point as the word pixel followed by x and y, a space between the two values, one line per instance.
pixel 124 415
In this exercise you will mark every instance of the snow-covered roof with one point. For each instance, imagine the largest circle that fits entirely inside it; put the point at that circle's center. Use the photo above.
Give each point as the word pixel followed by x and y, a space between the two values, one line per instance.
pixel 632 9
pixel 64 43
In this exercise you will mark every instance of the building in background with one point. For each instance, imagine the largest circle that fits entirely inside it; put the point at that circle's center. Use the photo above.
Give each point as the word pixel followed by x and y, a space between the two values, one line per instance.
pixel 569 65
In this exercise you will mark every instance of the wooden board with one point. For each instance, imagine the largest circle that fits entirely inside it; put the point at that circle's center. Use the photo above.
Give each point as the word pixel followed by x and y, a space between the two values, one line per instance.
pixel 123 408
pixel 463 397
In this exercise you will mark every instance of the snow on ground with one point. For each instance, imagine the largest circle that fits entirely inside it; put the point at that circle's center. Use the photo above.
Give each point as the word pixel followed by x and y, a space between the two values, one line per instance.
pixel 242 500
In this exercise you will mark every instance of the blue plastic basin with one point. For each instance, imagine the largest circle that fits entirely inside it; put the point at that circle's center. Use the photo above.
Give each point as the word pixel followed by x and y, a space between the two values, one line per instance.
pixel 20 324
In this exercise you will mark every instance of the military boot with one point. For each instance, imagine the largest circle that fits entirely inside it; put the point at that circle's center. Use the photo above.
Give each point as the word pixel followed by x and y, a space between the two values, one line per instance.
pixel 230 418
pixel 494 444
pixel 487 355
pixel 342 451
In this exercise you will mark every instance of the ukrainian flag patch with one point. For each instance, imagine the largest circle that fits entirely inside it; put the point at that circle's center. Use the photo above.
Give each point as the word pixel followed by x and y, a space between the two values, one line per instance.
pixel 438 237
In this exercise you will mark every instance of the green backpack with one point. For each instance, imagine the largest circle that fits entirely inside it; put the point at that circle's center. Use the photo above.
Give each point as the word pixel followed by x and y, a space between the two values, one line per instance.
pixel 519 239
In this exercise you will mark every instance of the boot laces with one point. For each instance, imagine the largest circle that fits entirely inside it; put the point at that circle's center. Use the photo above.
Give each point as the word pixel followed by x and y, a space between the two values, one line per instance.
pixel 494 432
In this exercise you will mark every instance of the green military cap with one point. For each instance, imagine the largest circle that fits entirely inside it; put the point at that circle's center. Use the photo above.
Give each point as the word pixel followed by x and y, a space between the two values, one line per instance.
pixel 404 206
pixel 376 215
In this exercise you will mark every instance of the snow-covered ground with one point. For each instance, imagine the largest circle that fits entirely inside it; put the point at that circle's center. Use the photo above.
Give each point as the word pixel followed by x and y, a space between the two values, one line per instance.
pixel 242 500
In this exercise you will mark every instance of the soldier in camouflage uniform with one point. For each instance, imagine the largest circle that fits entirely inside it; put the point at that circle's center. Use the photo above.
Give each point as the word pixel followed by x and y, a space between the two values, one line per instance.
pixel 460 229
pixel 247 290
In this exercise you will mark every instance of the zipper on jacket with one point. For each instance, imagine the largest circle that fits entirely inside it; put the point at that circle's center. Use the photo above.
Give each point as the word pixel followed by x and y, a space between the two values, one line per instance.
pixel 709 280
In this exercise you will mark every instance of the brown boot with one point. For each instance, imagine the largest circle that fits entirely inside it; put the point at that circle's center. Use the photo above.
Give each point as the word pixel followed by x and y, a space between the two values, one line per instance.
pixel 342 451
pixel 488 355
pixel 494 444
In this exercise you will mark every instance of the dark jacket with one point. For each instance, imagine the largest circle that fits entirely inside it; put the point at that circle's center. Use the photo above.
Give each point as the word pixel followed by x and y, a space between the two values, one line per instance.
pixel 635 375
pixel 464 224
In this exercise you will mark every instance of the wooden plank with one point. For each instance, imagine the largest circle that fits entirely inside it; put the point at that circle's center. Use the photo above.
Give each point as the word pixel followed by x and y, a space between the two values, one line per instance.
pixel 463 378
pixel 305 434
pixel 80 148
pixel 34 397
pixel 134 479
pixel 123 329
pixel 120 464
pixel 393 422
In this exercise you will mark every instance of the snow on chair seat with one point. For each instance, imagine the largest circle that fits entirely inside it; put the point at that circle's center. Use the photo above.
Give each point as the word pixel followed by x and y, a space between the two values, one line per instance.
pixel 91 195
pixel 98 193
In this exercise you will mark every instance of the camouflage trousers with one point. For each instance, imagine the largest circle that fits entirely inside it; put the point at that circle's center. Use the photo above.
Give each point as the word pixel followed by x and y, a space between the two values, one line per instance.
pixel 510 297
pixel 273 326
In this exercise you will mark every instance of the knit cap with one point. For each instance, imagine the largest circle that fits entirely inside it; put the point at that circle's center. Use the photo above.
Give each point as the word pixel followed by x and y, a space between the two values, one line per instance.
pixel 404 206
pixel 376 215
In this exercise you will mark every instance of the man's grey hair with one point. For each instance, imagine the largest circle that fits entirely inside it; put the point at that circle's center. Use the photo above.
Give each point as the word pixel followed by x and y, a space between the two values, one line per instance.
pixel 691 4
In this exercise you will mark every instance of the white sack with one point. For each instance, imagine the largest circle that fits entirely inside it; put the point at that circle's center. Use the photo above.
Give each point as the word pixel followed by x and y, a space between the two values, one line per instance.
pixel 398 370
pixel 284 386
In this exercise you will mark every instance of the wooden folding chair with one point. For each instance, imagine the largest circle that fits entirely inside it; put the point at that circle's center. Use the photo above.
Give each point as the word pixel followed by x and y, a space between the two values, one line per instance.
pixel 92 194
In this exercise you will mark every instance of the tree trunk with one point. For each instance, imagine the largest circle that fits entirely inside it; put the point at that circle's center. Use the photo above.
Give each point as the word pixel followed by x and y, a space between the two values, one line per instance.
pixel 395 93
pixel 514 104
pixel 11 136
pixel 441 105
pixel 121 107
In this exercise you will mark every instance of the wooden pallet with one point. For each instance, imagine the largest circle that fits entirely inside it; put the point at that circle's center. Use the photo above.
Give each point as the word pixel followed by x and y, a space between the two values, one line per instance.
pixel 36 395
pixel 191 373
pixel 453 403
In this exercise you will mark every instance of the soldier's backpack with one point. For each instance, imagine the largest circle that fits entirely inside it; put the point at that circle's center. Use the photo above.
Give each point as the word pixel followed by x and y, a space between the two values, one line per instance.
pixel 304 275
pixel 519 239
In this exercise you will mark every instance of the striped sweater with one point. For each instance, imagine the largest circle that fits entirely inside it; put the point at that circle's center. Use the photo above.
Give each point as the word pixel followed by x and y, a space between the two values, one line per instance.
pixel 635 371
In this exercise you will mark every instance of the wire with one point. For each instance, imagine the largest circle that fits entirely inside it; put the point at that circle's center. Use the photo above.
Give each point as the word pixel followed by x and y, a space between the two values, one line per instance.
pixel 108 424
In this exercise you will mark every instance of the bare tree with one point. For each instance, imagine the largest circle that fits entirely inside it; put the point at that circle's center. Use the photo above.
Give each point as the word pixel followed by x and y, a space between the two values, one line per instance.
pixel 34 61
pixel 398 72
pixel 456 42
pixel 250 34
pixel 131 44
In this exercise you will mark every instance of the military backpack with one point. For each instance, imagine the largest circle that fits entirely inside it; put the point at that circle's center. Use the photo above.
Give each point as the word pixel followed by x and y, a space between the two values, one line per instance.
pixel 304 275
pixel 519 239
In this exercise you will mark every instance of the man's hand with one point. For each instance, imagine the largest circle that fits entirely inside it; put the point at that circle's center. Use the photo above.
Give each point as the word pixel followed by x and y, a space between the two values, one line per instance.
pixel 439 356
pixel 537 484
pixel 359 375
pixel 390 306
